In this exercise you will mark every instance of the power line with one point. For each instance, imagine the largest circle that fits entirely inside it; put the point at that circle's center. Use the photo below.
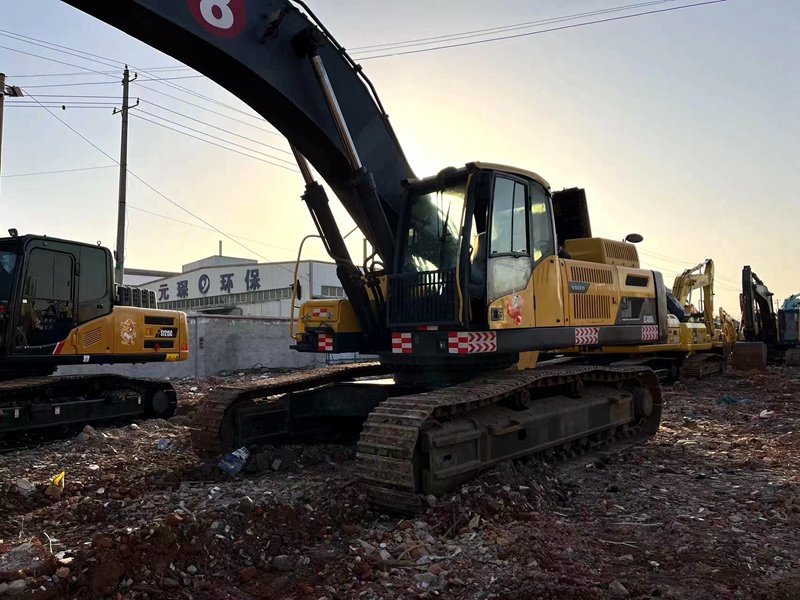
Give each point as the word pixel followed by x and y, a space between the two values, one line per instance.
pixel 138 116
pixel 77 52
pixel 153 189
pixel 214 137
pixel 512 27
pixel 210 110
pixel 159 79
pixel 59 171
pixel 83 73
pixel 530 33
pixel 215 127
pixel 195 225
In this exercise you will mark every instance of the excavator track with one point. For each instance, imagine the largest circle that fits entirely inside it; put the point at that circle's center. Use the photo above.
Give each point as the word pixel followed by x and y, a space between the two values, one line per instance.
pixel 588 407
pixel 699 366
pixel 37 406
pixel 390 445
pixel 208 425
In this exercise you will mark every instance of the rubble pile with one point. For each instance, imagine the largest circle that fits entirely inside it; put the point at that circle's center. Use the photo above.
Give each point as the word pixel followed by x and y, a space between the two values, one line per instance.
pixel 708 509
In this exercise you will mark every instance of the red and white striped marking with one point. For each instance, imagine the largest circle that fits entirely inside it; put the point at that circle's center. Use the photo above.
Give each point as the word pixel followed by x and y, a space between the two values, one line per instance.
pixel 59 347
pixel 321 313
pixel 325 342
pixel 472 342
pixel 428 328
pixel 649 333
pixel 401 343
pixel 587 336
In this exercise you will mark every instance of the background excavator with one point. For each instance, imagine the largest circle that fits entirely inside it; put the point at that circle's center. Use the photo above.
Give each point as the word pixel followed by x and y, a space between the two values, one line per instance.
pixel 59 306
pixel 464 276
pixel 768 336
pixel 695 345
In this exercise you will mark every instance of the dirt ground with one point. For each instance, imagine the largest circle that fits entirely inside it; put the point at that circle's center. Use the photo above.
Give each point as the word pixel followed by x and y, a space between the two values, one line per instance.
pixel 708 509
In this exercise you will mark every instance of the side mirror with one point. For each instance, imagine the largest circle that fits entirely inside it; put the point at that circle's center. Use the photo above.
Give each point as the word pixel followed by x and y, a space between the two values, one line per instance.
pixel 633 238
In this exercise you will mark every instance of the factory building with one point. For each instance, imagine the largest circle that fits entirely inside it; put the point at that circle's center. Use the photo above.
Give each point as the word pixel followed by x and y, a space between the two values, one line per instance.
pixel 223 285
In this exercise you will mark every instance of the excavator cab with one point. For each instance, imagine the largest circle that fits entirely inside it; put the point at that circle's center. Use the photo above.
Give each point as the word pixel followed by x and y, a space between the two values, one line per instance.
pixel 470 236
pixel 59 305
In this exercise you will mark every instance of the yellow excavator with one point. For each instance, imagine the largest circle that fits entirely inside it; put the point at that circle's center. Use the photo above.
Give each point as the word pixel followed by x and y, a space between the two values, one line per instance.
pixel 469 269
pixel 694 346
pixel 59 306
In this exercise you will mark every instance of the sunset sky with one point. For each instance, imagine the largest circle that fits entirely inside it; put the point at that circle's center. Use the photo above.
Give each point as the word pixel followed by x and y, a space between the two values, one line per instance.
pixel 682 126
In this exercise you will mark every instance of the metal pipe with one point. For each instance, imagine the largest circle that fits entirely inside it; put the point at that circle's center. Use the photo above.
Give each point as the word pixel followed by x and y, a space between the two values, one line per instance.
pixel 305 169
pixel 336 111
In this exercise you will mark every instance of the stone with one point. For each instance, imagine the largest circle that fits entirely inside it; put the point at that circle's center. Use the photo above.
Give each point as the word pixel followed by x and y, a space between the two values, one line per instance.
pixel 30 559
pixel 276 464
pixel 283 563
pixel 349 529
pixel 24 487
pixel 63 572
pixel 15 588
pixel 173 520
pixel 104 542
pixel 52 491
pixel 275 545
pixel 248 574
pixel 169 582
pixel 105 577
pixel 618 590
pixel 431 500
pixel 247 505
pixel 191 570
pixel 3 588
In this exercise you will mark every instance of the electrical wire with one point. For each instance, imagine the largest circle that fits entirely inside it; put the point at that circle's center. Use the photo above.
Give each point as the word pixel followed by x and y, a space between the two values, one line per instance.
pixel 138 116
pixel 175 112
pixel 540 31
pixel 157 192
pixel 210 110
pixel 195 225
pixel 83 73
pixel 502 28
pixel 59 171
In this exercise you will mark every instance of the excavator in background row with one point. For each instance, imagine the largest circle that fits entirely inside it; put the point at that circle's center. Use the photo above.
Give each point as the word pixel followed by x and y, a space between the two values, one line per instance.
pixel 59 306
pixel 464 276
pixel 694 347
pixel 768 336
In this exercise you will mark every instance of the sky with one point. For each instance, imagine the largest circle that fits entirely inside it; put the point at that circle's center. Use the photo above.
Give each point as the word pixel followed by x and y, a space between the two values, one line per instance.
pixel 682 126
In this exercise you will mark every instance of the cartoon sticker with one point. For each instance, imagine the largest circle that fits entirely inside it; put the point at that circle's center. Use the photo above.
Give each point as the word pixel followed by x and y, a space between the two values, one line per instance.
pixel 514 308
pixel 128 332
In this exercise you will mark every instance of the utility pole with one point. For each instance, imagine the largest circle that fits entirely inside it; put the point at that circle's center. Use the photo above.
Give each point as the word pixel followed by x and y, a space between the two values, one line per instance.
pixel 119 255
pixel 12 91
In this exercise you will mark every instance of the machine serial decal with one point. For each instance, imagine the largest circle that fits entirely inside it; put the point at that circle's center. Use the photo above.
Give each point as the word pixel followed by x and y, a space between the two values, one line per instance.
pixel 128 332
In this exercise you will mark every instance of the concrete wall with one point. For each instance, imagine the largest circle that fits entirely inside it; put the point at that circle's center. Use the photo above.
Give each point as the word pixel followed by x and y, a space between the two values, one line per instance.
pixel 230 343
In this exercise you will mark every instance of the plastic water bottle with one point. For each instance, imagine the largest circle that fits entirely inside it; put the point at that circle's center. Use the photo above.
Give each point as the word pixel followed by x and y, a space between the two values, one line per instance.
pixel 234 462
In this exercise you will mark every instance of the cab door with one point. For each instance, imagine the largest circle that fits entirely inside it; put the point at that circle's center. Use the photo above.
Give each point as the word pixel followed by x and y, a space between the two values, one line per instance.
pixel 509 260
pixel 47 309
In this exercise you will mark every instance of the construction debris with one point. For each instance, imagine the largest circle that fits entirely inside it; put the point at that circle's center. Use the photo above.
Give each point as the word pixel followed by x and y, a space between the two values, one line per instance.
pixel 708 509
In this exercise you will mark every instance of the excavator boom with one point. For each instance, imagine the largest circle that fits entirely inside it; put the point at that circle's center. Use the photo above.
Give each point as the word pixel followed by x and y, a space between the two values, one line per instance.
pixel 261 51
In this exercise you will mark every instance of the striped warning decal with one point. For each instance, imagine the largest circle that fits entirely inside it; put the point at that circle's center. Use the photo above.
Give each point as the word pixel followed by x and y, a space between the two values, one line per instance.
pixel 325 342
pixel 649 333
pixel 587 336
pixel 472 342
pixel 401 343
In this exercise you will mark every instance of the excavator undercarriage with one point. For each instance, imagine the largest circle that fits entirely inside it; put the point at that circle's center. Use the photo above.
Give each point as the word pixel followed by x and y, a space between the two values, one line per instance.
pixel 418 442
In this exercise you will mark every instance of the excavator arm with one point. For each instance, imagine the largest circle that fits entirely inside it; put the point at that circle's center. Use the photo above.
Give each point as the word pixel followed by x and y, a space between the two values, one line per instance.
pixel 758 314
pixel 286 66
pixel 698 277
